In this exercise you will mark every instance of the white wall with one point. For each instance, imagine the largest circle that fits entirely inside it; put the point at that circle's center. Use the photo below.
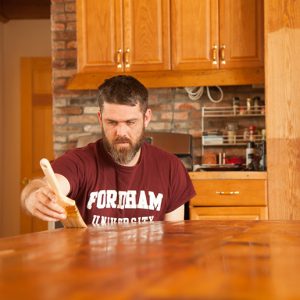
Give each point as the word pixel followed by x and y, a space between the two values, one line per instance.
pixel 1 125
pixel 21 38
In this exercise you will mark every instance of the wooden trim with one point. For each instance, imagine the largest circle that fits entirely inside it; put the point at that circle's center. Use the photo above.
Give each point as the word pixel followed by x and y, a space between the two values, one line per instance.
pixel 91 80
pixel 26 134
pixel 229 213
pixel 228 175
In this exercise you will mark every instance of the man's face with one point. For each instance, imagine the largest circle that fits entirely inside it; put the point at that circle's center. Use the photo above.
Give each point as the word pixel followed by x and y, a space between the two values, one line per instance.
pixel 123 129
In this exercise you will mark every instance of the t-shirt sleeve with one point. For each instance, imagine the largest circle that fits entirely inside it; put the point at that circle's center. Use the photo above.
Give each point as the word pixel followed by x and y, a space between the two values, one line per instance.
pixel 181 187
pixel 70 166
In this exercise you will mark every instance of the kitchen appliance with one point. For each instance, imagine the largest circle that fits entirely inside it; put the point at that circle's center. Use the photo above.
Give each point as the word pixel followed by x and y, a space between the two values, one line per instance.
pixel 179 144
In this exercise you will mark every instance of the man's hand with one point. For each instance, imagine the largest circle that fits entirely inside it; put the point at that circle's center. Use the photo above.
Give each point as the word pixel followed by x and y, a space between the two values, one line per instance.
pixel 39 200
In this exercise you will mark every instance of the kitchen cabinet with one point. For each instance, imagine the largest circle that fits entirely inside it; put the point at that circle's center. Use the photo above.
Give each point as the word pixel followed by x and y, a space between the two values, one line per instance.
pixel 123 35
pixel 217 34
pixel 168 43
pixel 229 195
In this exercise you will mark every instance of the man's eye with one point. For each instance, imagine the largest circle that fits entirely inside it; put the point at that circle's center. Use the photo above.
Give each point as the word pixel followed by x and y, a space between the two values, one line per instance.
pixel 112 123
pixel 130 123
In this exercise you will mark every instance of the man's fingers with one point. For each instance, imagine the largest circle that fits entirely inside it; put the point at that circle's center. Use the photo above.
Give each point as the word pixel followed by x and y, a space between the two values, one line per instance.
pixel 49 211
pixel 48 199
pixel 44 217
pixel 46 206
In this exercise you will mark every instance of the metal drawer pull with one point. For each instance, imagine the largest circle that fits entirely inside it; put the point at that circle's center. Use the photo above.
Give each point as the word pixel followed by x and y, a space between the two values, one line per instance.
pixel 126 58
pixel 223 60
pixel 228 193
pixel 119 59
pixel 214 54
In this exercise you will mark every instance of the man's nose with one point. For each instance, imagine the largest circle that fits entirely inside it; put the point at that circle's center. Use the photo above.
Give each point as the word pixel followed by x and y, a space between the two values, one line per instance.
pixel 121 129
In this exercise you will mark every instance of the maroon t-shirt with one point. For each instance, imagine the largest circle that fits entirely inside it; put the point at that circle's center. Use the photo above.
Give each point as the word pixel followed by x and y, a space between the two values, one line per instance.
pixel 106 192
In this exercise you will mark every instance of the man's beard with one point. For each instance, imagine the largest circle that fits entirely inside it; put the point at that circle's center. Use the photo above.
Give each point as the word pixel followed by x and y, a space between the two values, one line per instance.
pixel 123 155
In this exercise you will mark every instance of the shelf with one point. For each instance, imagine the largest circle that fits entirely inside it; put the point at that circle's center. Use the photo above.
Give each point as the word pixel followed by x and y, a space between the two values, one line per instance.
pixel 230 141
pixel 225 141
pixel 229 112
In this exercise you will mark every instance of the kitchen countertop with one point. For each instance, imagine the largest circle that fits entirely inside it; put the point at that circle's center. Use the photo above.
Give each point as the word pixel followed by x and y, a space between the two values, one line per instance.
pixel 228 175
pixel 160 260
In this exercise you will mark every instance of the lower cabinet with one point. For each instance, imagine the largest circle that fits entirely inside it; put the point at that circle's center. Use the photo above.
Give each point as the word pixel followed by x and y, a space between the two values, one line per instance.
pixel 229 196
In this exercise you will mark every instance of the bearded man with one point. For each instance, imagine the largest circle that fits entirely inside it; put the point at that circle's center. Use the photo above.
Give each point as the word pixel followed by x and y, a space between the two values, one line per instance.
pixel 119 178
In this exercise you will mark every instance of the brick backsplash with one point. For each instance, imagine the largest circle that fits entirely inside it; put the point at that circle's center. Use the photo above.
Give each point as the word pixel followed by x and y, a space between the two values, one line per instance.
pixel 74 112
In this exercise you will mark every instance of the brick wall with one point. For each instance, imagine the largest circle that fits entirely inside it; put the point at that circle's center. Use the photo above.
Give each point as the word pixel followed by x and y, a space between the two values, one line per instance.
pixel 75 111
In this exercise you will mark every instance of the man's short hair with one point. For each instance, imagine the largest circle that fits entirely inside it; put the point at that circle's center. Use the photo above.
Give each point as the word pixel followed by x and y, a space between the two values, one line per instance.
pixel 124 90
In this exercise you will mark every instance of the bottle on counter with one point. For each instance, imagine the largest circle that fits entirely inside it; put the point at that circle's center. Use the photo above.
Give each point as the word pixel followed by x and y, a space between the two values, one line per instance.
pixel 250 155
pixel 263 152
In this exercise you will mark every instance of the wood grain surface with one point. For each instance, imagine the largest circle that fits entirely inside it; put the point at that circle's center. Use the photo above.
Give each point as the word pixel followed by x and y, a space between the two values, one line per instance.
pixel 161 260
pixel 282 65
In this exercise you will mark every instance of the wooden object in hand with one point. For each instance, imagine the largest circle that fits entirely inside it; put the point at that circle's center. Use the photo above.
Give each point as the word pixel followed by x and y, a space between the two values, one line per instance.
pixel 160 260
pixel 74 218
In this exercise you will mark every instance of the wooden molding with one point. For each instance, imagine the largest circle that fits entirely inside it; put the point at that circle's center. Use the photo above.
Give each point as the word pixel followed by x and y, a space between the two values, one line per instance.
pixel 163 79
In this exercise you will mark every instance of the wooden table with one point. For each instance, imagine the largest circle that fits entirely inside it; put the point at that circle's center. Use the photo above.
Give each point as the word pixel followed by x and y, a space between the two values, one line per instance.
pixel 175 260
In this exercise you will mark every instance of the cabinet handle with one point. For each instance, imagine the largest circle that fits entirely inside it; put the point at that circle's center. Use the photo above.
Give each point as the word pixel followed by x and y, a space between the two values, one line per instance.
pixel 126 58
pixel 228 193
pixel 223 60
pixel 119 59
pixel 214 54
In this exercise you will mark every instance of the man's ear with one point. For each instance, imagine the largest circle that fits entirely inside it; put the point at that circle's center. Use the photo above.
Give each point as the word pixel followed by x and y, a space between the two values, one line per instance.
pixel 147 118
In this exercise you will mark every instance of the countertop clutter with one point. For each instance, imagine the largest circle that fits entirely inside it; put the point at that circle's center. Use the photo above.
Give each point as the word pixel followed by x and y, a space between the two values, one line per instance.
pixel 160 260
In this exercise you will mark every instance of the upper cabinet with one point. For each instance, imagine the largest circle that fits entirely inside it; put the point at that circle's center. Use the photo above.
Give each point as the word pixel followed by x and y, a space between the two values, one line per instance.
pixel 241 33
pixel 167 43
pixel 194 33
pixel 217 34
pixel 123 35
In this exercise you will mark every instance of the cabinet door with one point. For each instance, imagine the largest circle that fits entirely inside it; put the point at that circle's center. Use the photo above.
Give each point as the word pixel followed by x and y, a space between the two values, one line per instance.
pixel 228 213
pixel 146 35
pixel 194 34
pixel 241 33
pixel 99 35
